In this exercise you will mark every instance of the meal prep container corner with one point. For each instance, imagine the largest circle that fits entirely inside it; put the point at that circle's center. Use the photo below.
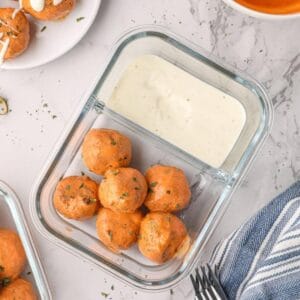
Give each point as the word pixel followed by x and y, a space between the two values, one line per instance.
pixel 14 215
pixel 211 188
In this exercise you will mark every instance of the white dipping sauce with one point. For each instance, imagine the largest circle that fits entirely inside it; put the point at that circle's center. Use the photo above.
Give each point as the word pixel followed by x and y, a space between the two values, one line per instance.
pixel 179 108
pixel 57 2
pixel 38 5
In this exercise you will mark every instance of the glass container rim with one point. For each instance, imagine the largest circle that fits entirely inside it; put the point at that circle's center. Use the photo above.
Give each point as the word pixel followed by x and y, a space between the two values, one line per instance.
pixel 199 53
pixel 12 201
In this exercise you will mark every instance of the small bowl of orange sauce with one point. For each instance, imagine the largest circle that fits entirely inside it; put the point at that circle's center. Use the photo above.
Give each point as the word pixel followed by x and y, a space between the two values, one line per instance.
pixel 267 9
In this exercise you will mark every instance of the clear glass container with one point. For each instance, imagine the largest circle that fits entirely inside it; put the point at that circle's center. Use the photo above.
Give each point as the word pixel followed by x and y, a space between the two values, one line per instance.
pixel 12 216
pixel 211 188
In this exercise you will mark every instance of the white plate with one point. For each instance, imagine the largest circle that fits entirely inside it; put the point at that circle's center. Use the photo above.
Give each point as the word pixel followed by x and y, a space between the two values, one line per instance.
pixel 58 37
pixel 261 15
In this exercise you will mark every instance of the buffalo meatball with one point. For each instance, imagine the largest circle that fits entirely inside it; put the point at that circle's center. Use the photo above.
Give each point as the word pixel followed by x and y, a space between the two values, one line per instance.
pixel 168 189
pixel 75 197
pixel 123 190
pixel 19 289
pixel 118 231
pixel 162 235
pixel 48 10
pixel 105 148
pixel 14 33
pixel 12 255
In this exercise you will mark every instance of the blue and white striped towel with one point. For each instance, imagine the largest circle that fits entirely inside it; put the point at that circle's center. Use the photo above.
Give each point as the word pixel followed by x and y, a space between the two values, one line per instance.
pixel 261 260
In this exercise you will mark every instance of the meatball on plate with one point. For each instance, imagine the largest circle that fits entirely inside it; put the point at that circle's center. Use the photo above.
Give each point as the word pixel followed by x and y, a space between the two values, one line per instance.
pixel 48 10
pixel 14 33
pixel 75 197
pixel 168 189
pixel 123 190
pixel 56 27
pixel 105 148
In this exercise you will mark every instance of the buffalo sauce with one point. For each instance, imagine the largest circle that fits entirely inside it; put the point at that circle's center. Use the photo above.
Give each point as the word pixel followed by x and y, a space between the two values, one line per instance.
pixel 272 6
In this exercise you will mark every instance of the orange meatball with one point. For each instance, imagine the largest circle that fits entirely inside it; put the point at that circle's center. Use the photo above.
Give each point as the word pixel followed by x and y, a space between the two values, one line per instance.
pixel 12 255
pixel 162 235
pixel 168 189
pixel 49 11
pixel 19 289
pixel 118 231
pixel 123 190
pixel 105 148
pixel 14 32
pixel 75 197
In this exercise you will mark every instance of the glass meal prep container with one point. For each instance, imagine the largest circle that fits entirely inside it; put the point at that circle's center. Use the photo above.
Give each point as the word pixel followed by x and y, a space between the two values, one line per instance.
pixel 211 187
pixel 12 217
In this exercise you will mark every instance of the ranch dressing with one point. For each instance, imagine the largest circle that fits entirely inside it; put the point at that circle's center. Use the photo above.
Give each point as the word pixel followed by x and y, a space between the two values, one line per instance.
pixel 39 5
pixel 4 46
pixel 179 108
pixel 16 11
pixel 57 2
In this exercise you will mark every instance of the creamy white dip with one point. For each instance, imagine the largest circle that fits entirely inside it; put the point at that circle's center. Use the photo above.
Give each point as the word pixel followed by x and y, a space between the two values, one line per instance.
pixel 179 108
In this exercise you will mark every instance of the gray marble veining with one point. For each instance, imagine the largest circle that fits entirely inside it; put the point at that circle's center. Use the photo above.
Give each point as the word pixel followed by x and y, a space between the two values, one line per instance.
pixel 268 50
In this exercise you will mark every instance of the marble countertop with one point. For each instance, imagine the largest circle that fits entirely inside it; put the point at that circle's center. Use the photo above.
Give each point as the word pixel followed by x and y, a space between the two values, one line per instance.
pixel 267 50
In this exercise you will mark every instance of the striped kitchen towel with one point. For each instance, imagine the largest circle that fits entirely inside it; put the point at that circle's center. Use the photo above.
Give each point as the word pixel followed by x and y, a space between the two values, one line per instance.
pixel 261 260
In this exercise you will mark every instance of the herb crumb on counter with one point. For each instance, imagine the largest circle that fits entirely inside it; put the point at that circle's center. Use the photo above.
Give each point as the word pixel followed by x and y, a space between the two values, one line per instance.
pixel 105 295
pixel 80 19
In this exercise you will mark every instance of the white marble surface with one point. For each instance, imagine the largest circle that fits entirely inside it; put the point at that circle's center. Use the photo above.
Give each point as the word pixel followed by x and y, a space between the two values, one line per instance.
pixel 270 51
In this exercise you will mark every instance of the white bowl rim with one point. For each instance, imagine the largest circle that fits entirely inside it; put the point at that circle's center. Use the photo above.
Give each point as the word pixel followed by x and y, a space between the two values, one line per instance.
pixel 261 15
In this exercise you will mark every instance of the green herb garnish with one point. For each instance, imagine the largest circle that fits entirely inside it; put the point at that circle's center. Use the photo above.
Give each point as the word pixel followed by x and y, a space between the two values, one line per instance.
pixel 89 200
pixel 116 172
pixel 80 19
pixel 153 184
pixel 125 194
pixel 113 142
pixel 81 186
pixel 110 233
pixel 68 187
pixel 105 295
pixel 44 28
pixel 5 282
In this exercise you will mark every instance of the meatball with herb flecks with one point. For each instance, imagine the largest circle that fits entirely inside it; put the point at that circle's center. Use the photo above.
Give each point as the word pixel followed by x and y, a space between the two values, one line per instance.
pixel 14 33
pixel 118 231
pixel 168 189
pixel 75 197
pixel 19 289
pixel 162 235
pixel 105 148
pixel 12 255
pixel 123 190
